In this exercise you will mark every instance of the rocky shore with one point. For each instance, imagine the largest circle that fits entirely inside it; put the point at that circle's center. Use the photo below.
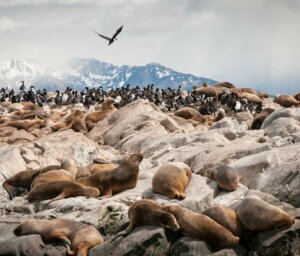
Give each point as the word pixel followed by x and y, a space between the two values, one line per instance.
pixel 267 161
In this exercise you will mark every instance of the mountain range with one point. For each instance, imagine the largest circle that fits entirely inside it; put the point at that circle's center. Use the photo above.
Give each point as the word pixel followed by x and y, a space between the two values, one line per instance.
pixel 79 73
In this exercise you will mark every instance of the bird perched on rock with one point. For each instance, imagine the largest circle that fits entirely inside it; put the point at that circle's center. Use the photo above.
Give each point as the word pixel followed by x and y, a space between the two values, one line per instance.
pixel 114 37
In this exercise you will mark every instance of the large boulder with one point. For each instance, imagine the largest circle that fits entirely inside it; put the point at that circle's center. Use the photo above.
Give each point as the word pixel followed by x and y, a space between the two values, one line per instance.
pixel 278 242
pixel 273 171
pixel 146 240
pixel 31 245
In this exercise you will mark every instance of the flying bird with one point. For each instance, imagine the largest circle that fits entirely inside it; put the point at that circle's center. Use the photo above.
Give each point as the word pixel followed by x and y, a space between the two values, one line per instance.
pixel 114 37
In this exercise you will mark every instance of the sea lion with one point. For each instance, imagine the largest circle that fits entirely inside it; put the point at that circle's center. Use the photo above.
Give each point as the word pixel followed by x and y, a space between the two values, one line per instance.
pixel 59 190
pixel 116 180
pixel 226 178
pixel 108 104
pixel 67 171
pixel 22 179
pixel 226 217
pixel 250 97
pixel 260 118
pixel 225 85
pixel 190 113
pixel 73 121
pixel 79 237
pixel 286 101
pixel 27 124
pixel 257 215
pixel 97 165
pixel 203 227
pixel 251 91
pixel 171 180
pixel 148 212
pixel 207 91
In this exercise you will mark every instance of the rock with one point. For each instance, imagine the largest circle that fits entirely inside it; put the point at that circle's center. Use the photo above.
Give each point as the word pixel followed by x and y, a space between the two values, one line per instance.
pixel 17 207
pixel 30 245
pixel 71 145
pixel 230 123
pixel 230 198
pixel 278 242
pixel 9 155
pixel 138 119
pixel 187 246
pixel 282 113
pixel 274 171
pixel 283 126
pixel 146 240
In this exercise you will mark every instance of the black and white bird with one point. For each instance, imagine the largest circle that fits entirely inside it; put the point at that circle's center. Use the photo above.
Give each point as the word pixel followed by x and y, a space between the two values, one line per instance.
pixel 114 37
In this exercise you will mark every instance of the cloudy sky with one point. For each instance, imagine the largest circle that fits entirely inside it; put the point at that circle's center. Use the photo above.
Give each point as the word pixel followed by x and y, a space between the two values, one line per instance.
pixel 249 43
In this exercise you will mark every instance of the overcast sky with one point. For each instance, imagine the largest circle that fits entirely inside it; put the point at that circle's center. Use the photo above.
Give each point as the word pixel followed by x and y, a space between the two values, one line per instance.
pixel 247 42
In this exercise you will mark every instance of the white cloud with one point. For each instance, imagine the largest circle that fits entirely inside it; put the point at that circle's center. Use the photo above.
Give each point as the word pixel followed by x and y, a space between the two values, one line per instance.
pixel 7 24
pixel 71 2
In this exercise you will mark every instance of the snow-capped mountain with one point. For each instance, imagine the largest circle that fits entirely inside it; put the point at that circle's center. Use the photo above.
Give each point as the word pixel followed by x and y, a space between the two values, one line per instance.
pixel 79 73
pixel 12 72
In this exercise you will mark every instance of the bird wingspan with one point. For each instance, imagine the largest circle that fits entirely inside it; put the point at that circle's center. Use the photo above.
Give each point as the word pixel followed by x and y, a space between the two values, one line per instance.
pixel 105 37
pixel 117 32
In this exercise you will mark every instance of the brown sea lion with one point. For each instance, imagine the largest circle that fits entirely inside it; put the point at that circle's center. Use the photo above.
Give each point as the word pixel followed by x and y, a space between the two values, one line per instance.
pixel 73 121
pixel 148 212
pixel 22 179
pixel 260 118
pixel 257 215
pixel 79 237
pixel 96 116
pixel 66 172
pixel 251 91
pixel 190 113
pixel 207 91
pixel 225 84
pixel 286 101
pixel 108 104
pixel 250 97
pixel 226 178
pixel 226 217
pixel 59 190
pixel 202 227
pixel 97 165
pixel 171 180
pixel 27 124
pixel 116 180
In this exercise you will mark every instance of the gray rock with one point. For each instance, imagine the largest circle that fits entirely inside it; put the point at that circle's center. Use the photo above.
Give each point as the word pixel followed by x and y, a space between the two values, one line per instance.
pixel 283 127
pixel 146 240
pixel 285 113
pixel 31 245
pixel 187 246
pixel 278 242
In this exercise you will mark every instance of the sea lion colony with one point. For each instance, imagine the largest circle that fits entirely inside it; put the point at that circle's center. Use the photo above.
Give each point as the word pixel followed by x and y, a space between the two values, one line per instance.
pixel 220 226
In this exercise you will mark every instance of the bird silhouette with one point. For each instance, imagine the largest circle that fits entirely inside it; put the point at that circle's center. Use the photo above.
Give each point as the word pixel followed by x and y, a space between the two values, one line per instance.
pixel 114 37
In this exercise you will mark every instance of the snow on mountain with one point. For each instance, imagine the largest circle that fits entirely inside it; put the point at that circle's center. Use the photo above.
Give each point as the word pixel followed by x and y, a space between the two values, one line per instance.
pixel 12 72
pixel 79 73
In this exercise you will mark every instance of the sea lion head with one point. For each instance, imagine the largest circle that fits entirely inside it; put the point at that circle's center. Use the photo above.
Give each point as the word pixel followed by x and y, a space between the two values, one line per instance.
pixel 24 229
pixel 68 164
pixel 168 221
pixel 135 158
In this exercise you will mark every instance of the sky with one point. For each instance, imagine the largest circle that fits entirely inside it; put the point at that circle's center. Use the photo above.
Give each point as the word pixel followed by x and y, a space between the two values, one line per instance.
pixel 249 43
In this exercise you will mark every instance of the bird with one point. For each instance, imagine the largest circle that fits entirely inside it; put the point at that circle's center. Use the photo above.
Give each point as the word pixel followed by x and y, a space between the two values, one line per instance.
pixel 114 37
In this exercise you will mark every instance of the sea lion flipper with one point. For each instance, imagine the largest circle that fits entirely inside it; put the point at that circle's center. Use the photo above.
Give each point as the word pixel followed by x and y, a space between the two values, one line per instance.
pixel 123 233
pixel 62 195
